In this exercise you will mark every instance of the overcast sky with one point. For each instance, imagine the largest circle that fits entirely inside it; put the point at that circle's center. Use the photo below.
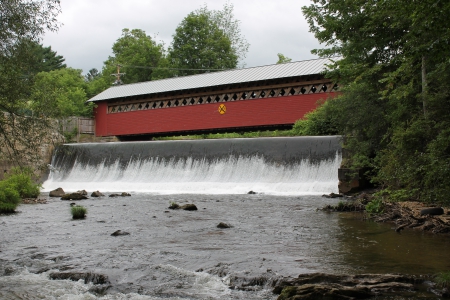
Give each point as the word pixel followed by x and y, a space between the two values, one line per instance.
pixel 90 27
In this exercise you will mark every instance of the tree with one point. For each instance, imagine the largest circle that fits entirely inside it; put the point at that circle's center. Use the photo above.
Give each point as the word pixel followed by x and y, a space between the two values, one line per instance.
pixel 62 92
pixel 22 24
pixel 225 21
pixel 396 120
pixel 283 59
pixel 199 46
pixel 46 59
pixel 92 74
pixel 137 53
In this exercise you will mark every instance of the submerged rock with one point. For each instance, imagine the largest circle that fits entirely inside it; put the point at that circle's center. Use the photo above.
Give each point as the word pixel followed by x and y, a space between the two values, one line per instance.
pixel 59 192
pixel 119 232
pixel 124 194
pixel 329 286
pixel 333 195
pixel 88 277
pixel 188 207
pixel 74 196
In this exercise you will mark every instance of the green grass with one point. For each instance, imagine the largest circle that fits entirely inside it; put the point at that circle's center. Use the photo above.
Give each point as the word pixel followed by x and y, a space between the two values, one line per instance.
pixel 78 212
pixel 174 205
pixel 443 279
pixel 231 135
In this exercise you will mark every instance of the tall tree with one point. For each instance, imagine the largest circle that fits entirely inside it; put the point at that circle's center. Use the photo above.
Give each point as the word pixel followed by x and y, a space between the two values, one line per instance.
pixel 200 46
pixel 225 21
pixel 92 74
pixel 137 54
pixel 22 23
pixel 391 51
pixel 46 59
pixel 61 93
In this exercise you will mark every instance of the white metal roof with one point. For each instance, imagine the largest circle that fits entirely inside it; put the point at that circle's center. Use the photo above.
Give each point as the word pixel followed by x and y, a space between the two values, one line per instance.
pixel 306 67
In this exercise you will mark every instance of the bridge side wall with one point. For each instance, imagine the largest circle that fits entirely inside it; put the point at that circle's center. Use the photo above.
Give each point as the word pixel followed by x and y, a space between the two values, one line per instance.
pixel 248 113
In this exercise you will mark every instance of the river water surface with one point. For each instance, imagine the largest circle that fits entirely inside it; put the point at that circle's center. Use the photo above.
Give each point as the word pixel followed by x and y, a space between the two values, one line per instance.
pixel 183 255
pixel 177 254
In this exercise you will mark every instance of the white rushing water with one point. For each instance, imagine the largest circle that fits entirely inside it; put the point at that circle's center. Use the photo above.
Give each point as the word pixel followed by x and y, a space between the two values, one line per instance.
pixel 234 175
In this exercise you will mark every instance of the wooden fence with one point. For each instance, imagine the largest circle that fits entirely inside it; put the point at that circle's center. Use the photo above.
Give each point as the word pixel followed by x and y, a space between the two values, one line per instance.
pixel 78 125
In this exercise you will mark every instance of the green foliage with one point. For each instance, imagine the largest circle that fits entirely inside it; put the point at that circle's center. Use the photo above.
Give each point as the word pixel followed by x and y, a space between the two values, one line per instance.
pixel 393 110
pixel 137 53
pixel 16 185
pixel 231 135
pixel 322 121
pixel 46 59
pixel 375 206
pixel 442 279
pixel 174 205
pixel 78 212
pixel 20 180
pixel 198 43
pixel 23 22
pixel 7 208
pixel 92 75
pixel 283 59
pixel 61 93
pixel 225 21
pixel 9 198
pixel 70 135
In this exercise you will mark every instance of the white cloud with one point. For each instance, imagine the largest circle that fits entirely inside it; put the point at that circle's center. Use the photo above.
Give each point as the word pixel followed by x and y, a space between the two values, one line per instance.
pixel 91 27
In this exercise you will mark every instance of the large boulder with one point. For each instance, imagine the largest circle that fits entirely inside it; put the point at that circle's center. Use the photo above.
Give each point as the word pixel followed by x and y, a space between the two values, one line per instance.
pixel 97 194
pixel 59 192
pixel 82 192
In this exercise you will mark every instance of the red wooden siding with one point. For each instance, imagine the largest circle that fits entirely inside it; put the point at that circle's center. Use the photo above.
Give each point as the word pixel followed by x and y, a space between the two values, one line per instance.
pixel 248 113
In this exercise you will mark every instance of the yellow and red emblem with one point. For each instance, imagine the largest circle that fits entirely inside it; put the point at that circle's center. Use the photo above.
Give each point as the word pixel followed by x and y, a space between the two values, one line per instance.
pixel 222 109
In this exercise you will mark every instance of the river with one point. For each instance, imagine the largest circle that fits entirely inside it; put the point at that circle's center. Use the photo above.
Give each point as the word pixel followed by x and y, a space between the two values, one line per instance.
pixel 177 254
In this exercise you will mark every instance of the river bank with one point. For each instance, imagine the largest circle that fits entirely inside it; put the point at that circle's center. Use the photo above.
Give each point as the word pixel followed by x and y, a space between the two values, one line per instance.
pixel 404 215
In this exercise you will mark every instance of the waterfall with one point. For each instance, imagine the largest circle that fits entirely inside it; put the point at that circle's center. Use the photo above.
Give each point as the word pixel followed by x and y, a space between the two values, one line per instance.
pixel 279 166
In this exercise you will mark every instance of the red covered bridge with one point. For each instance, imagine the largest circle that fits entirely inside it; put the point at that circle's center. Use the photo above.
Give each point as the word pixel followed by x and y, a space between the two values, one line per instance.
pixel 268 97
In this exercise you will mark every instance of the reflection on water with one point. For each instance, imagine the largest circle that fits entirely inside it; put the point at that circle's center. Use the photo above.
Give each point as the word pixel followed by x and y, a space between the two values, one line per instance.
pixel 183 255
pixel 377 248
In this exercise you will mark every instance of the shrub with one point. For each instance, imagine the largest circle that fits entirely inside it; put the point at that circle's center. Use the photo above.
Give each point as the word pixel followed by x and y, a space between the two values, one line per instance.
pixel 20 179
pixel 442 279
pixel 78 212
pixel 9 198
pixel 7 208
pixel 375 206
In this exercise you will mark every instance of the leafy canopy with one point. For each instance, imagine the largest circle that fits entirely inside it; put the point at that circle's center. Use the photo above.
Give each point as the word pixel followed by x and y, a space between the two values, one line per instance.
pixel 393 72
pixel 200 44
pixel 22 24
pixel 138 51
pixel 62 93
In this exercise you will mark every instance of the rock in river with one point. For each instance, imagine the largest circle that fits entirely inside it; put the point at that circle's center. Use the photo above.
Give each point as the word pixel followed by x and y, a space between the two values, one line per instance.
pixel 59 192
pixel 74 196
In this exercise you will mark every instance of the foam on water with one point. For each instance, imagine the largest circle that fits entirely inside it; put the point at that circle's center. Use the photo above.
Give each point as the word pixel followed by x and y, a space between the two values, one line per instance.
pixel 231 175
pixel 40 286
